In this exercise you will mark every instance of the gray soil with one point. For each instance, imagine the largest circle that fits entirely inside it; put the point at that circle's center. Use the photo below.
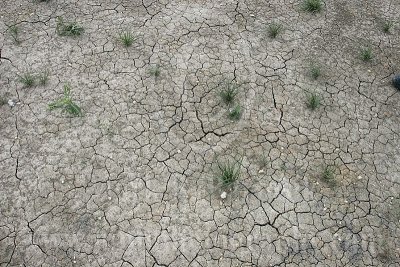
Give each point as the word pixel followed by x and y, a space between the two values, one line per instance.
pixel 133 182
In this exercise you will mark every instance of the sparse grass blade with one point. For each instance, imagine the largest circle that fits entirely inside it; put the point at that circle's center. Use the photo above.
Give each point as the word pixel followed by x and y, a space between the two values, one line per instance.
pixel 68 28
pixel 126 38
pixel 313 100
pixel 366 54
pixel 155 71
pixel 229 92
pixel 228 173
pixel 3 101
pixel 14 32
pixel 312 6
pixel 274 29
pixel 27 79
pixel 387 26
pixel 328 175
pixel 315 71
pixel 43 78
pixel 235 113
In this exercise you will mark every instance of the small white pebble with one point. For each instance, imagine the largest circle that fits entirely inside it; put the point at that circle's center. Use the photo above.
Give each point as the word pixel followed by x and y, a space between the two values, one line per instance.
pixel 261 171
pixel 109 198
pixel 11 103
pixel 223 195
pixel 62 181
pixel 99 218
pixel 179 151
pixel 252 15
pixel 359 177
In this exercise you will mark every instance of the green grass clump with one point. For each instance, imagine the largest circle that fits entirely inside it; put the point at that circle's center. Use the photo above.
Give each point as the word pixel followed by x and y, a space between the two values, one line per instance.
pixel 155 71
pixel 43 78
pixel 68 28
pixel 366 54
pixel 328 175
pixel 27 79
pixel 387 26
pixel 228 173
pixel 312 6
pixel 66 103
pixel 235 113
pixel 14 32
pixel 274 29
pixel 313 101
pixel 229 92
pixel 126 38
pixel 315 71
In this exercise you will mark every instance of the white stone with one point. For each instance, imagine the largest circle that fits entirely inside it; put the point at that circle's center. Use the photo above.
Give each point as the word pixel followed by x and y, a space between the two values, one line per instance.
pixel 11 103
pixel 223 195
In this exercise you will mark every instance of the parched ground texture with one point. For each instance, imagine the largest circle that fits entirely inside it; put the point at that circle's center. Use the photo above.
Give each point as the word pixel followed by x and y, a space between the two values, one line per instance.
pixel 133 181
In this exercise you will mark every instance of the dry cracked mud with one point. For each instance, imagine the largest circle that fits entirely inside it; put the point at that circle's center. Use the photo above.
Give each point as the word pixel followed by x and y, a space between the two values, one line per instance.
pixel 133 181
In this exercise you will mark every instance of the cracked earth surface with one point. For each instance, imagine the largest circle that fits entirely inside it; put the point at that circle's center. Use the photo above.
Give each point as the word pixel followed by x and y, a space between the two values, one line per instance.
pixel 132 182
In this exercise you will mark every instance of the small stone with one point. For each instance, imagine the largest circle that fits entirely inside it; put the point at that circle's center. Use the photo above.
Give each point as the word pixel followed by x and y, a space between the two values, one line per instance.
pixel 11 103
pixel 252 15
pixel 223 195
pixel 359 177
pixel 62 181
pixel 179 151
pixel 261 171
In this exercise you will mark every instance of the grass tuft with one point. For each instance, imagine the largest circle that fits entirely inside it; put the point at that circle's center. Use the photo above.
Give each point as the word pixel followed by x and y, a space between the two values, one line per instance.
pixel 366 54
pixel 229 92
pixel 315 71
pixel 155 71
pixel 27 79
pixel 68 28
pixel 274 29
pixel 235 113
pixel 228 173
pixel 43 78
pixel 328 175
pixel 387 26
pixel 66 103
pixel 126 38
pixel 312 6
pixel 313 101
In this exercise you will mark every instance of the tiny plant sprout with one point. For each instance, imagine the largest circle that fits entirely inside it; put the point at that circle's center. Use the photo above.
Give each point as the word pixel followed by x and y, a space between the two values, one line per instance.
pixel 66 103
